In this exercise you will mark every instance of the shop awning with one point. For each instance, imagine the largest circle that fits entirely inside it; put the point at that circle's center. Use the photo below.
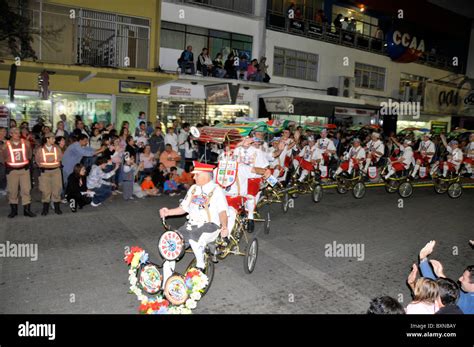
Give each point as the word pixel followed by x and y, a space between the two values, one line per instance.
pixel 303 101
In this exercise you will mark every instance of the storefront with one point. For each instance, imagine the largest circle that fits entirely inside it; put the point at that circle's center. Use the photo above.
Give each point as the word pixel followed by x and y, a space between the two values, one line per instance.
pixel 190 103
pixel 303 106
pixel 29 107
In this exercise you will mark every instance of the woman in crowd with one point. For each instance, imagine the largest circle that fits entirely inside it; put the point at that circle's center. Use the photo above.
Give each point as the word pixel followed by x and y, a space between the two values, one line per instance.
pixel 60 131
pixel 61 143
pixel 77 193
pixel 229 67
pixel 425 293
pixel 147 162
pixel 218 63
pixel 95 141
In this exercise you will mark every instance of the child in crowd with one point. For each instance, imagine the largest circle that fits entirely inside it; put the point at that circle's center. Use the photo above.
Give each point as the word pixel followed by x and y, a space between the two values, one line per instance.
pixel 129 171
pixel 186 179
pixel 149 188
pixel 159 176
pixel 171 187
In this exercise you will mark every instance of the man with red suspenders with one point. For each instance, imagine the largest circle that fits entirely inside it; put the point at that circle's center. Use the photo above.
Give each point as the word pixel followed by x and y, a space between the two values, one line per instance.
pixel 48 157
pixel 424 154
pixel 353 158
pixel 309 157
pixel 326 146
pixel 252 156
pixel 17 154
pixel 374 149
pixel 455 156
pixel 404 161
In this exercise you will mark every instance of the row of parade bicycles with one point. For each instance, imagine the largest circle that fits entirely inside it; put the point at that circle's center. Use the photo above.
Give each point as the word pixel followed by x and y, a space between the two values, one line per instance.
pixel 242 240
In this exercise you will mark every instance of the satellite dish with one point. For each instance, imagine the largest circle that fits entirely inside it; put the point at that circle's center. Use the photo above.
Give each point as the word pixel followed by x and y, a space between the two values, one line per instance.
pixel 195 132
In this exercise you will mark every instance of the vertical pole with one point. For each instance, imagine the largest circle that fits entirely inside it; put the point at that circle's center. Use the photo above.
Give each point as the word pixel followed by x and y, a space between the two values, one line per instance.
pixel 40 50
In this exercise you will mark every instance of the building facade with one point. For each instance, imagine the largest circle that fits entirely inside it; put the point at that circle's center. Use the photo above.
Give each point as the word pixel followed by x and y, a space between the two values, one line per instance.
pixel 100 58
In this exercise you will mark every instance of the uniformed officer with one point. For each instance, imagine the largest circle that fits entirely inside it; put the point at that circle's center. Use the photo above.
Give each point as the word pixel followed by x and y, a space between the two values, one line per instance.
pixel 374 149
pixel 425 153
pixel 352 158
pixel 17 154
pixel 48 158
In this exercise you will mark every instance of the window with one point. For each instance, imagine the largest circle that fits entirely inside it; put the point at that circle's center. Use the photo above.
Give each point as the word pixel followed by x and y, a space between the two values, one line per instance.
pixel 241 6
pixel 178 36
pixel 295 64
pixel 365 24
pixel 412 87
pixel 369 76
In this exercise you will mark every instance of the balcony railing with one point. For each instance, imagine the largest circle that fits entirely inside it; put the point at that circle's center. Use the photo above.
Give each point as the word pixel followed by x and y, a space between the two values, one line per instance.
pixel 88 37
pixel 238 6
pixel 303 27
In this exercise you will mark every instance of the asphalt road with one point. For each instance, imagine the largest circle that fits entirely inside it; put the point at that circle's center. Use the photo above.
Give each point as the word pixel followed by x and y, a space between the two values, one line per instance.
pixel 80 266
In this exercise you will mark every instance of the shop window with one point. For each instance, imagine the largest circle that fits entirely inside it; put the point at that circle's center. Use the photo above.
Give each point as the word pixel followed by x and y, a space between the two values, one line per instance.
pixel 128 108
pixel 27 108
pixel 91 108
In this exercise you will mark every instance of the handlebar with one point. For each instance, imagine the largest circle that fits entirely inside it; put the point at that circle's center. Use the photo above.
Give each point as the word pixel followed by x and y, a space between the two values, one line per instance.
pixel 165 225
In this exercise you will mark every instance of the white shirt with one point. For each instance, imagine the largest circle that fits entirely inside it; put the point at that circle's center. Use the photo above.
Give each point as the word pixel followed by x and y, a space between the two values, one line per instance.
pixel 407 156
pixel 198 197
pixel 377 146
pixel 457 156
pixel 172 139
pixel 246 155
pixel 356 153
pixel 240 185
pixel 325 144
pixel 428 147
pixel 183 136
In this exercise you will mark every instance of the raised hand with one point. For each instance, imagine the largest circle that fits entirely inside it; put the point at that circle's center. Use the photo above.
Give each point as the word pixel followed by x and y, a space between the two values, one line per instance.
pixel 412 276
pixel 427 250
pixel 437 268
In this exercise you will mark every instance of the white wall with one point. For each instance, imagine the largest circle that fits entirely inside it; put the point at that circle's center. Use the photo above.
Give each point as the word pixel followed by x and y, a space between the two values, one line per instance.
pixel 331 66
pixel 208 18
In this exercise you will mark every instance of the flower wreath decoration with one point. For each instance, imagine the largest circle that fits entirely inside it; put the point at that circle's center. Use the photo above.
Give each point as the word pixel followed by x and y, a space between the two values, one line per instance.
pixel 195 281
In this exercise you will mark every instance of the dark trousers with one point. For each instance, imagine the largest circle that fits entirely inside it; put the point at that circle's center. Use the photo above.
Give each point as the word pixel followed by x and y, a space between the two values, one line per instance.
pixel 102 193
pixel 3 177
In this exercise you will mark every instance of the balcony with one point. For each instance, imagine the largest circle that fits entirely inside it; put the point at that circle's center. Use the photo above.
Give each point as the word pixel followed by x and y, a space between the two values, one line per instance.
pixel 308 28
pixel 85 37
pixel 244 7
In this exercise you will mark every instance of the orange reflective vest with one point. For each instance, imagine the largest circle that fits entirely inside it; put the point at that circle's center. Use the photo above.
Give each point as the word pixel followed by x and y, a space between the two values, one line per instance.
pixel 17 155
pixel 46 155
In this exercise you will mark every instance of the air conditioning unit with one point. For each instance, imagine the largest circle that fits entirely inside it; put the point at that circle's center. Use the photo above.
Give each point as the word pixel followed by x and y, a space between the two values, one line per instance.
pixel 346 86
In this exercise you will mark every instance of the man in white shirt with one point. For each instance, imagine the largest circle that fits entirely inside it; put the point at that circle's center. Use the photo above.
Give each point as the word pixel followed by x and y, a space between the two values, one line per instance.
pixel 207 210
pixel 326 147
pixel 353 158
pixel 455 156
pixel 309 158
pixel 424 154
pixel 374 149
pixel 172 139
pixel 182 138
pixel 404 161
pixel 249 154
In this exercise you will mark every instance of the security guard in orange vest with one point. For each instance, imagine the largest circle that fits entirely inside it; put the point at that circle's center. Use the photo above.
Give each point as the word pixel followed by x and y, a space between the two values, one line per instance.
pixel 48 157
pixel 17 155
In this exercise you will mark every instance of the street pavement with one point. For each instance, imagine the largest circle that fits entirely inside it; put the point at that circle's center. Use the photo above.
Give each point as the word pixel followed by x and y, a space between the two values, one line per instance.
pixel 80 266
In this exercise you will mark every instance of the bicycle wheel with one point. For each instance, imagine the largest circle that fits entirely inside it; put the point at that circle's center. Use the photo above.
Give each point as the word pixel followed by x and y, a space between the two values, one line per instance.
pixel 391 186
pixel 208 271
pixel 359 190
pixel 455 190
pixel 405 190
pixel 341 188
pixel 317 193
pixel 440 187
pixel 250 258
pixel 266 217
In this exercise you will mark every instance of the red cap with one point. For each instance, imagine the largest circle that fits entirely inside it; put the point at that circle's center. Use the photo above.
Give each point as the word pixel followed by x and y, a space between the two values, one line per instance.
pixel 202 167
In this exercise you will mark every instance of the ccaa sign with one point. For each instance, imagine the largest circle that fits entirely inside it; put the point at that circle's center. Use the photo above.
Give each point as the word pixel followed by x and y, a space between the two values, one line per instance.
pixel 403 47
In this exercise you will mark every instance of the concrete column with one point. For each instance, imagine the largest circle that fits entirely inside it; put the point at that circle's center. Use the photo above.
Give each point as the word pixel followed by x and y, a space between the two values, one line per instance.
pixel 470 57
